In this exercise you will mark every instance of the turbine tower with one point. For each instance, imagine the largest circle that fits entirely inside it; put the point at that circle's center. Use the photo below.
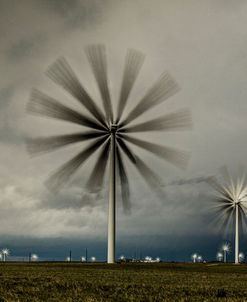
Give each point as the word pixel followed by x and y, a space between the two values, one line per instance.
pixel 232 201
pixel 109 135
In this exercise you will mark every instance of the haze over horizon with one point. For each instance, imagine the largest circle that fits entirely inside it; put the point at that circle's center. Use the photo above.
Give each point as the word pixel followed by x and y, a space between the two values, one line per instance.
pixel 203 45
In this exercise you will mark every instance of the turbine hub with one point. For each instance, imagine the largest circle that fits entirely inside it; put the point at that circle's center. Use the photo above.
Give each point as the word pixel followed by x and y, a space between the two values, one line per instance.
pixel 113 128
pixel 237 201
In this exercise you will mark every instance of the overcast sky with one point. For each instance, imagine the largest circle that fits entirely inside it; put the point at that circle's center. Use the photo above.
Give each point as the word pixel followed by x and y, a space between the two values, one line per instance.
pixel 203 44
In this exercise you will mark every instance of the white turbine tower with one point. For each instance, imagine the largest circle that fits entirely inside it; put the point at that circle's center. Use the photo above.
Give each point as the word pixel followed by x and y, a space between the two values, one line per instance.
pixel 109 133
pixel 232 201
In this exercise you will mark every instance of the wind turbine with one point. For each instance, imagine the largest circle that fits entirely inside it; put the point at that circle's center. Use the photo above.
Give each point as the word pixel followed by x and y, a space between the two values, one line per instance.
pixel 199 258
pixel 219 256
pixel 232 200
pixel 108 134
pixel 241 257
pixel 93 259
pixel 226 250
pixel 34 257
pixel 194 257
pixel 5 253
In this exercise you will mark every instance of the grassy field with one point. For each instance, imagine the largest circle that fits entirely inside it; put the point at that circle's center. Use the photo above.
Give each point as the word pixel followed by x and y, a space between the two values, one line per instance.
pixel 122 282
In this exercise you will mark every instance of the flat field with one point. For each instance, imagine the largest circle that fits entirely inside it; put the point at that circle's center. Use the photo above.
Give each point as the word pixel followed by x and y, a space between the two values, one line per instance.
pixel 122 282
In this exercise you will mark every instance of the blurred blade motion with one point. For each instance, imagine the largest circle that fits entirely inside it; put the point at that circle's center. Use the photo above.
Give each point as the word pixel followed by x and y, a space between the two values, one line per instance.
pixel 62 175
pixel 47 144
pixel 151 178
pixel 176 157
pixel 125 192
pixel 133 63
pixel 62 74
pixel 44 105
pixel 96 55
pixel 164 87
pixel 174 121
pixel 96 178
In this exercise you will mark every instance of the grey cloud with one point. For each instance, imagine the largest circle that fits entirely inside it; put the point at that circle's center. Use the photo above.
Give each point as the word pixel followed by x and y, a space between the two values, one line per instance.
pixel 5 96
pixel 25 48
pixel 191 181
pixel 69 198
pixel 76 13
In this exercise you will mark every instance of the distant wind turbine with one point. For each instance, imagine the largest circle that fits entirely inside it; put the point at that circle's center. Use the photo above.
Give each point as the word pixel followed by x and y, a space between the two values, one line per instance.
pixel 5 253
pixel 93 259
pixel 226 249
pixel 108 134
pixel 199 258
pixel 232 201
pixel 34 257
pixel 241 257
pixel 194 257
pixel 219 256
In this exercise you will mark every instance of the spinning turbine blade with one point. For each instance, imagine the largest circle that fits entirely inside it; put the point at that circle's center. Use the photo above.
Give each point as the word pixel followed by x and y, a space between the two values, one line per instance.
pixel 229 183
pixel 96 55
pixel 227 220
pixel 51 143
pixel 133 63
pixel 176 157
pixel 43 105
pixel 242 218
pixel 161 90
pixel 62 74
pixel 173 121
pixel 213 182
pixel 95 181
pixel 222 200
pixel 224 194
pixel 222 216
pixel 241 190
pixel 125 192
pixel 57 179
pixel 152 179
pixel 126 149
pixel 226 176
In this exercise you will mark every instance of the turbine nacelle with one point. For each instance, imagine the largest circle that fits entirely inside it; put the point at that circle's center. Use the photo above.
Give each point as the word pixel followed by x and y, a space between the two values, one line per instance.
pixel 113 128
pixel 237 202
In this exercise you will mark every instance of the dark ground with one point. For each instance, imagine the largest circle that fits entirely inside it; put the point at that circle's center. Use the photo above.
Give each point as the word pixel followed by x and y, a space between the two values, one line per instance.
pixel 122 282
